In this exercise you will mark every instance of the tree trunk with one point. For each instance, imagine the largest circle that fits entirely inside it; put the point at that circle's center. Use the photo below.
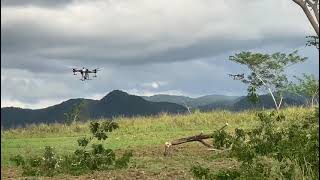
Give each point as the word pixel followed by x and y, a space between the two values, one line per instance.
pixel 273 98
pixel 75 118
pixel 279 105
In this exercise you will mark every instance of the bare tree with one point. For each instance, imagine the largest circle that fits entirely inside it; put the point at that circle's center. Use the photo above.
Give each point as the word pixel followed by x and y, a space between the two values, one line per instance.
pixel 186 106
pixel 311 10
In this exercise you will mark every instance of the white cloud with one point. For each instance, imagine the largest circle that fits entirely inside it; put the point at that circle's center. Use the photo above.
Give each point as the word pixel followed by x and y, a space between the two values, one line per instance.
pixel 155 85
pixel 143 92
pixel 37 105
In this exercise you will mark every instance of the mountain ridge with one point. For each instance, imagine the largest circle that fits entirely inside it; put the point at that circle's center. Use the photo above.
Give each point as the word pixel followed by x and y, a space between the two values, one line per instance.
pixel 119 103
pixel 115 103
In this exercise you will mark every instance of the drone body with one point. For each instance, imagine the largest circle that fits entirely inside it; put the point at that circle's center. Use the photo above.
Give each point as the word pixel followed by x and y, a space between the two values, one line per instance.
pixel 85 73
pixel 237 76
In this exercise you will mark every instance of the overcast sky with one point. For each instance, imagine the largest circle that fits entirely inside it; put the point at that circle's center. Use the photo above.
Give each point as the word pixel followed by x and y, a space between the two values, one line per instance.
pixel 143 47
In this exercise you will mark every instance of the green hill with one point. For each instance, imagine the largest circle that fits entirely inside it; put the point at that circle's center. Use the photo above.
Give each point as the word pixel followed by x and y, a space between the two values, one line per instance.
pixel 168 98
pixel 116 103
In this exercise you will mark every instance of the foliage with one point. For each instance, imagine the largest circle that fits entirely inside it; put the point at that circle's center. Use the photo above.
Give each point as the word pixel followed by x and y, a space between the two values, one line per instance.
pixel 81 161
pixel 271 152
pixel 36 166
pixel 267 71
pixel 221 139
pixel 227 174
pixel 313 41
pixel 307 86
pixel 201 172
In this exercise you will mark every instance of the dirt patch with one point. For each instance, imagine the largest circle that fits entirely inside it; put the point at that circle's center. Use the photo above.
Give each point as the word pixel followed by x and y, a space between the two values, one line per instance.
pixel 9 173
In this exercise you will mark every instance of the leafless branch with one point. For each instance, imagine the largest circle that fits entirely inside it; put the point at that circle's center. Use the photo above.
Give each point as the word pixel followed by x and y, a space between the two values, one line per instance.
pixel 314 21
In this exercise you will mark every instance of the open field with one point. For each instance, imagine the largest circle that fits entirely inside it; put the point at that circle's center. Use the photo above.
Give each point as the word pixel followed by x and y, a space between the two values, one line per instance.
pixel 145 136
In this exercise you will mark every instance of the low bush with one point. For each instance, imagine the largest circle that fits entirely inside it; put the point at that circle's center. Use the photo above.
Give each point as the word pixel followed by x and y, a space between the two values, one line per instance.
pixel 84 159
pixel 270 151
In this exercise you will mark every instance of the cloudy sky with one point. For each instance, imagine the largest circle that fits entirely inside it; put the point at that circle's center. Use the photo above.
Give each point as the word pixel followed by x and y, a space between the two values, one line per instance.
pixel 143 47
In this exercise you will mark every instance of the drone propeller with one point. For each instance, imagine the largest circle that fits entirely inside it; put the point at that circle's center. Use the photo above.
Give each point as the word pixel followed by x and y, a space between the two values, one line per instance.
pixel 96 70
pixel 74 71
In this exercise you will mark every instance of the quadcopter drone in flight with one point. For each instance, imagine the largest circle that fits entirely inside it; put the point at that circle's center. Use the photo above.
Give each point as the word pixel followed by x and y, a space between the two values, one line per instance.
pixel 85 73
pixel 237 76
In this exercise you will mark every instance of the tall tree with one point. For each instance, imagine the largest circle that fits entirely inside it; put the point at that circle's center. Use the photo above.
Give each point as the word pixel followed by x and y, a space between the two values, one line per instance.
pixel 311 10
pixel 307 86
pixel 267 72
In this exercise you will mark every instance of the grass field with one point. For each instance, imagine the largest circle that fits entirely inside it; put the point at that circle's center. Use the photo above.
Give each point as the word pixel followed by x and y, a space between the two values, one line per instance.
pixel 145 136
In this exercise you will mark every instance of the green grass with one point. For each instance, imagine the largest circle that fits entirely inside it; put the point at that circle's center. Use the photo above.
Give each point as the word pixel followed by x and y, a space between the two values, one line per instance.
pixel 138 133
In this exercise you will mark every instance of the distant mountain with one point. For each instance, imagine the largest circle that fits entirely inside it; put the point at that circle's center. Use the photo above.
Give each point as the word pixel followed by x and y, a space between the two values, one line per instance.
pixel 267 102
pixel 116 103
pixel 213 99
pixel 233 103
pixel 13 117
pixel 168 98
pixel 192 102
pixel 243 103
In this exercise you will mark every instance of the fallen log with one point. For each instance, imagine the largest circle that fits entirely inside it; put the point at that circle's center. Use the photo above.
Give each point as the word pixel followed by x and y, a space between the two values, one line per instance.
pixel 198 138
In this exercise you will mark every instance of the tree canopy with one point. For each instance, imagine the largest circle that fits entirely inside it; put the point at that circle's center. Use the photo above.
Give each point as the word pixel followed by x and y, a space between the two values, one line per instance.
pixel 267 72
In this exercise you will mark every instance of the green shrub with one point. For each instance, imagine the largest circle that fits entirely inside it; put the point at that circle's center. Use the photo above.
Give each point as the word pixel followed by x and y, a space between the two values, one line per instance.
pixel 222 139
pixel 228 174
pixel 83 159
pixel 271 152
pixel 201 173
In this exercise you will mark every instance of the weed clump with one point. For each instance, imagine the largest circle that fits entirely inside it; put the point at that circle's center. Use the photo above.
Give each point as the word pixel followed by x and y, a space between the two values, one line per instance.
pixel 270 152
pixel 84 159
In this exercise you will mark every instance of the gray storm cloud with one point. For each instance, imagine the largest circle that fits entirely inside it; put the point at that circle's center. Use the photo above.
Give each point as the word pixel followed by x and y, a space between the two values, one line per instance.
pixel 138 32
pixel 41 3
pixel 137 42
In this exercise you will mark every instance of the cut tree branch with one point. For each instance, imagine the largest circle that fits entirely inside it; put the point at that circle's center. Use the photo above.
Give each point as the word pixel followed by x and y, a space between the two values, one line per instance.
pixel 198 138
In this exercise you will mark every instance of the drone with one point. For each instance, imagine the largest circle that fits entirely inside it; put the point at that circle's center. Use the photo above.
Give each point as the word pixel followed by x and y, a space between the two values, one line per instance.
pixel 236 76
pixel 85 73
